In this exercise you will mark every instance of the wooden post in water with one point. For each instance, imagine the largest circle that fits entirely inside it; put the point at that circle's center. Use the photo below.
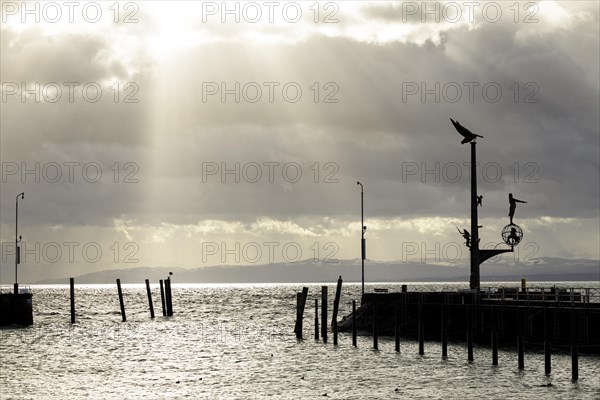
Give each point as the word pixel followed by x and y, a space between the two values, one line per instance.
pixel 354 323
pixel 336 305
pixel 397 326
pixel 574 346
pixel 72 286
pixel 149 293
pixel 300 304
pixel 444 327
pixel 121 300
pixel 420 327
pixel 520 340
pixel 469 332
pixel 162 298
pixel 494 337
pixel 547 345
pixel 298 327
pixel 375 328
pixel 168 298
pixel 316 319
pixel 324 313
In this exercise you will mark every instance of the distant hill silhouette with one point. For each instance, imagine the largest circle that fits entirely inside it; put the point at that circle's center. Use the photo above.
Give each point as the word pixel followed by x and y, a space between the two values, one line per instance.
pixel 546 268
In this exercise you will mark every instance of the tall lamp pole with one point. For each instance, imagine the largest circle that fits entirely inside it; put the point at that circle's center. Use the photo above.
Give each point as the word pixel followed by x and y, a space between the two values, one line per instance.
pixel 17 252
pixel 362 235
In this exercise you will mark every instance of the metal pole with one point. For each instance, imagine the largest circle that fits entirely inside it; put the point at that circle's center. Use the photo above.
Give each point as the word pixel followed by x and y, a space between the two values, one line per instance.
pixel 16 286
pixel 475 280
pixel 362 235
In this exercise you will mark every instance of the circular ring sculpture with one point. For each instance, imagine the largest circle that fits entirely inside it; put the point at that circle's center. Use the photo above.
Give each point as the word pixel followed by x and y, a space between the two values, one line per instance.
pixel 512 234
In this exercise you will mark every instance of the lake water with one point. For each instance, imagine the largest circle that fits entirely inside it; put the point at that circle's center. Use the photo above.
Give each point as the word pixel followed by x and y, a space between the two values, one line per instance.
pixel 237 342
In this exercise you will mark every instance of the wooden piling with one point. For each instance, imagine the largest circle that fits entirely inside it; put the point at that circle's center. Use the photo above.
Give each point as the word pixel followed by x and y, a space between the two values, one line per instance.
pixel 375 328
pixel 420 327
pixel 444 327
pixel 547 345
pixel 397 326
pixel 324 313
pixel 574 347
pixel 162 298
pixel 300 304
pixel 354 323
pixel 336 305
pixel 298 328
pixel 469 332
pixel 149 293
pixel 121 300
pixel 520 341
pixel 494 338
pixel 72 296
pixel 168 297
pixel 316 319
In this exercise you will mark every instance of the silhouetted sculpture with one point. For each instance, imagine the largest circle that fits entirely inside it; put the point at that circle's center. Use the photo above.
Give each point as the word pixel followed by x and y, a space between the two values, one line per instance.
pixel 513 205
pixel 469 136
pixel 479 199
pixel 513 238
pixel 465 233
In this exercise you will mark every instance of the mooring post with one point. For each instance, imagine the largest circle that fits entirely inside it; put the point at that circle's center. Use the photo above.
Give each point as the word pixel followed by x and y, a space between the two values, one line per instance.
pixel 336 305
pixel 169 297
pixel 354 323
pixel 469 332
pixel 121 300
pixel 149 293
pixel 375 328
pixel 162 298
pixel 72 286
pixel 316 319
pixel 397 326
pixel 324 313
pixel 520 340
pixel 444 328
pixel 494 336
pixel 420 328
pixel 574 346
pixel 298 328
pixel 547 344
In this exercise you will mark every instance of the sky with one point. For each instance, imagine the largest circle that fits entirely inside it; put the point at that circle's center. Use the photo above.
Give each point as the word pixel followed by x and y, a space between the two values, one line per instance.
pixel 192 134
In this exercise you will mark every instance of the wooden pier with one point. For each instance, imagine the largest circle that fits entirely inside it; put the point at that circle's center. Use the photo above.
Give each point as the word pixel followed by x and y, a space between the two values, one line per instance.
pixel 539 318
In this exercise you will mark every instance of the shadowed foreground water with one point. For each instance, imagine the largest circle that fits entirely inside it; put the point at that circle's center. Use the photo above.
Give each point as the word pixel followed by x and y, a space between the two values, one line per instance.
pixel 237 342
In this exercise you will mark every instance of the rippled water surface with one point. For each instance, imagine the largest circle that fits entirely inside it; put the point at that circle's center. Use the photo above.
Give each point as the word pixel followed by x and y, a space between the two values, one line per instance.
pixel 237 342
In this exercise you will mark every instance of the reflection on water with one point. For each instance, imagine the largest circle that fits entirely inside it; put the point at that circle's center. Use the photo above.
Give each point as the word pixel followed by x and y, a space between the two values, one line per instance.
pixel 237 341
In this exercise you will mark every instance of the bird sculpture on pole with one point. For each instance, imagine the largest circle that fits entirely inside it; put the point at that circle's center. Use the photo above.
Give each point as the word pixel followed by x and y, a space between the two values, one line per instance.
pixel 468 135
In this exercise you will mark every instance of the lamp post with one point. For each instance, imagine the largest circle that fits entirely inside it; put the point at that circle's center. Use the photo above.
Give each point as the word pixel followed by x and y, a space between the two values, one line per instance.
pixel 17 239
pixel 362 235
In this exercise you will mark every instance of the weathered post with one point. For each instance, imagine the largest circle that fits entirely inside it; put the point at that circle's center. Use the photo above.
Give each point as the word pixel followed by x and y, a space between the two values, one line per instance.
pixel 354 323
pixel 316 319
pixel 336 305
pixel 300 304
pixel 169 297
pixel 574 347
pixel 72 286
pixel 420 327
pixel 149 293
pixel 397 326
pixel 324 313
pixel 494 337
pixel 547 345
pixel 162 298
pixel 469 332
pixel 298 328
pixel 375 328
pixel 444 327
pixel 520 340
pixel 121 300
